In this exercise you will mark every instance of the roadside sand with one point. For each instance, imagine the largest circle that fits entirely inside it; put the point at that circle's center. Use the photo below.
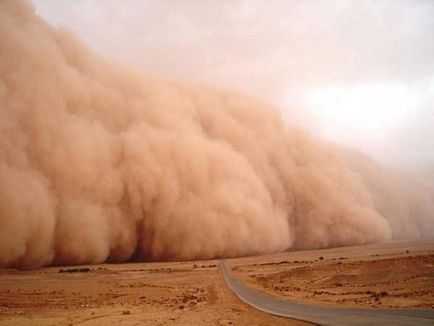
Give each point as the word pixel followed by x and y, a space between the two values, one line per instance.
pixel 396 274
pixel 140 293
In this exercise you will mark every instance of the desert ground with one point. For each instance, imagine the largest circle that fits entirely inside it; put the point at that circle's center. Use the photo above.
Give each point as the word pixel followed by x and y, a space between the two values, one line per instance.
pixel 184 293
pixel 395 274
pixel 392 275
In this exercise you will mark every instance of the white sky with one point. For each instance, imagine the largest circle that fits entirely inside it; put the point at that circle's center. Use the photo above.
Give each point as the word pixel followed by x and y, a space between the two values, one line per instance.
pixel 356 72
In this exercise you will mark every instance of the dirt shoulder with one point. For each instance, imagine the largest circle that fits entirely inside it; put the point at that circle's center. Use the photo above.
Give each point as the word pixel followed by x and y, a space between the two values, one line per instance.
pixel 397 274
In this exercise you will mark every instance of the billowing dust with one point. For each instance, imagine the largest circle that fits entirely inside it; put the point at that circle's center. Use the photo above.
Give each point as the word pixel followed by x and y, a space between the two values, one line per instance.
pixel 100 163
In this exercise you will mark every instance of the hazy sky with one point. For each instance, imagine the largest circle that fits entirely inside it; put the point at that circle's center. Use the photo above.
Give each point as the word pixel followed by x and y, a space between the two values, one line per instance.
pixel 356 72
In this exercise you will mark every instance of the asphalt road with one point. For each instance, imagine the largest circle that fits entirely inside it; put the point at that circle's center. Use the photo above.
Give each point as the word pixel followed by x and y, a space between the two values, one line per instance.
pixel 325 315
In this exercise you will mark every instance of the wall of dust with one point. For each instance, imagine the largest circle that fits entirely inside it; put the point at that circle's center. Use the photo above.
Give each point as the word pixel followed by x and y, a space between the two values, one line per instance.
pixel 100 163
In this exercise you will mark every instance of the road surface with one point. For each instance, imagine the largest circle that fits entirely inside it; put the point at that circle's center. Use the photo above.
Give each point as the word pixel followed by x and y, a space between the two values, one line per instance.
pixel 325 315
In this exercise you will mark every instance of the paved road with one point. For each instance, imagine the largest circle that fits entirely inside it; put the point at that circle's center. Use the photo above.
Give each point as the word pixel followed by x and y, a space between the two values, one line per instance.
pixel 325 315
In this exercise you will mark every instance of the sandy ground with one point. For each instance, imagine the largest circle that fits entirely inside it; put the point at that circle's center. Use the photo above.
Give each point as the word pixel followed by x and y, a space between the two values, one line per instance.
pixel 132 294
pixel 396 274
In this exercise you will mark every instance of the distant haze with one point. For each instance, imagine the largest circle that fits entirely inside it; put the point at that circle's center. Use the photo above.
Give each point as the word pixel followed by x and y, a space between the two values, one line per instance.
pixel 100 162
pixel 328 65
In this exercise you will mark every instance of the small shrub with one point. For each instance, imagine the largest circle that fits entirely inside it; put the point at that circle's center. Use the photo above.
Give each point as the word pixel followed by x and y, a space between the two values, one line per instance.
pixel 75 270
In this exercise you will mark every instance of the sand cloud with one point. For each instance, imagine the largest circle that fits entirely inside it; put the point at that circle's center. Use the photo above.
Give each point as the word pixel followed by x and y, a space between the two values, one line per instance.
pixel 100 163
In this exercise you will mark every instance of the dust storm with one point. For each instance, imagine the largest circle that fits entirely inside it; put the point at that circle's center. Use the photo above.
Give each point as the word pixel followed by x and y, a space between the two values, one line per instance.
pixel 100 163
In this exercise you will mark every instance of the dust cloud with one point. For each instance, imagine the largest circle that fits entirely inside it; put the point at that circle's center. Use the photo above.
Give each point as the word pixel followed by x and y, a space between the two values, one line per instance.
pixel 100 163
